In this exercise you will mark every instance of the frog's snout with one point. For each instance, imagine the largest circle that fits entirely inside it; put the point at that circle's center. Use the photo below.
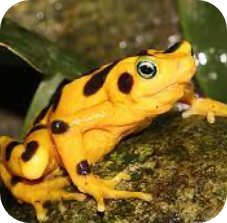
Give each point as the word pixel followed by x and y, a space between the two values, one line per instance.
pixel 186 69
pixel 186 64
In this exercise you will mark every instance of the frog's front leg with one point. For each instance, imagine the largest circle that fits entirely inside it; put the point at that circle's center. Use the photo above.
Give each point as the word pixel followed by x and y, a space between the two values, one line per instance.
pixel 70 143
pixel 202 106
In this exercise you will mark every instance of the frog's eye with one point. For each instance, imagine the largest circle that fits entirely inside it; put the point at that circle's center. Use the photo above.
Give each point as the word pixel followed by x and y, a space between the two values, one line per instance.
pixel 147 69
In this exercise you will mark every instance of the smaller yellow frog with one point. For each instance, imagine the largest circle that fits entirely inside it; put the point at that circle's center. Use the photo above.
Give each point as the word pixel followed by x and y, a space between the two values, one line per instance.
pixel 88 117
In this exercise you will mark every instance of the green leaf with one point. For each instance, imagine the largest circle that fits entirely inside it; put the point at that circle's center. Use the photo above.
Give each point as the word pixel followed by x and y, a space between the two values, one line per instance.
pixel 40 53
pixel 204 26
pixel 41 99
pixel 45 57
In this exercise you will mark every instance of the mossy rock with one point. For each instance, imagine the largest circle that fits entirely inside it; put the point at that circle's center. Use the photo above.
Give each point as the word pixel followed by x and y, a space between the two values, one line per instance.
pixel 182 162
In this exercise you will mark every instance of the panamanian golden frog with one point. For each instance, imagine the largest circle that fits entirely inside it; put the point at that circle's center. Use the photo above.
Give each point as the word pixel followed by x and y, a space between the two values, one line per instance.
pixel 89 116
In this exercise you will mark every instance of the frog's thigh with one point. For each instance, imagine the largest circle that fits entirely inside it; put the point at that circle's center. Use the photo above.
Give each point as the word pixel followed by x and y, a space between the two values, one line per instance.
pixel 28 160
pixel 75 158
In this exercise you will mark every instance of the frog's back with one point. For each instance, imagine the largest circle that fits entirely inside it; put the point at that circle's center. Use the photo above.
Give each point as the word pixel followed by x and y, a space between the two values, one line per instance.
pixel 84 92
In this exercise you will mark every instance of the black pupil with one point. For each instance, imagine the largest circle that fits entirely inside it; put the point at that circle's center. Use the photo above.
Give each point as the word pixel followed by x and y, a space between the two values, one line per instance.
pixel 145 69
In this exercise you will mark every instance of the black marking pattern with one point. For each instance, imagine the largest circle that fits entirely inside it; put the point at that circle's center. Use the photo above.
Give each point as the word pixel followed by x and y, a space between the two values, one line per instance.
pixel 83 168
pixel 142 53
pixel 15 180
pixel 36 128
pixel 145 53
pixel 53 101
pixel 41 115
pixel 57 95
pixel 30 151
pixel 125 83
pixel 97 80
pixel 59 127
pixel 173 48
pixel 9 149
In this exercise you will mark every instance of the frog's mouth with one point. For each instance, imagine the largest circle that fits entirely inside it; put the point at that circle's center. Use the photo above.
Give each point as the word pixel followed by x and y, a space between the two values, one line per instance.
pixel 173 86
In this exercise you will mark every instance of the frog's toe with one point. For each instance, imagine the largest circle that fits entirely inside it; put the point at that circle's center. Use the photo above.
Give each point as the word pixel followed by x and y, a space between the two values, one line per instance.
pixel 73 196
pixel 211 117
pixel 40 212
pixel 122 176
pixel 111 193
pixel 112 183
pixel 118 194
pixel 101 205
pixel 146 197
pixel 187 113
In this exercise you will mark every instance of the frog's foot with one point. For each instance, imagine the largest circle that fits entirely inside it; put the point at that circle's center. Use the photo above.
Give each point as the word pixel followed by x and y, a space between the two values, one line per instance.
pixel 206 107
pixel 39 193
pixel 210 115
pixel 101 189
pixel 56 195
pixel 52 190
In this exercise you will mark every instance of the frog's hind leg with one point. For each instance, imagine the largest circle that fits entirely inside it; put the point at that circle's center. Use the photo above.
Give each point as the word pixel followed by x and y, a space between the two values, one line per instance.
pixel 29 171
pixel 37 193
pixel 31 159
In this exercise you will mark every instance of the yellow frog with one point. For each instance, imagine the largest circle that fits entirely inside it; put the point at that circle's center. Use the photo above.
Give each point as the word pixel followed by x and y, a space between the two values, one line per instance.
pixel 88 117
